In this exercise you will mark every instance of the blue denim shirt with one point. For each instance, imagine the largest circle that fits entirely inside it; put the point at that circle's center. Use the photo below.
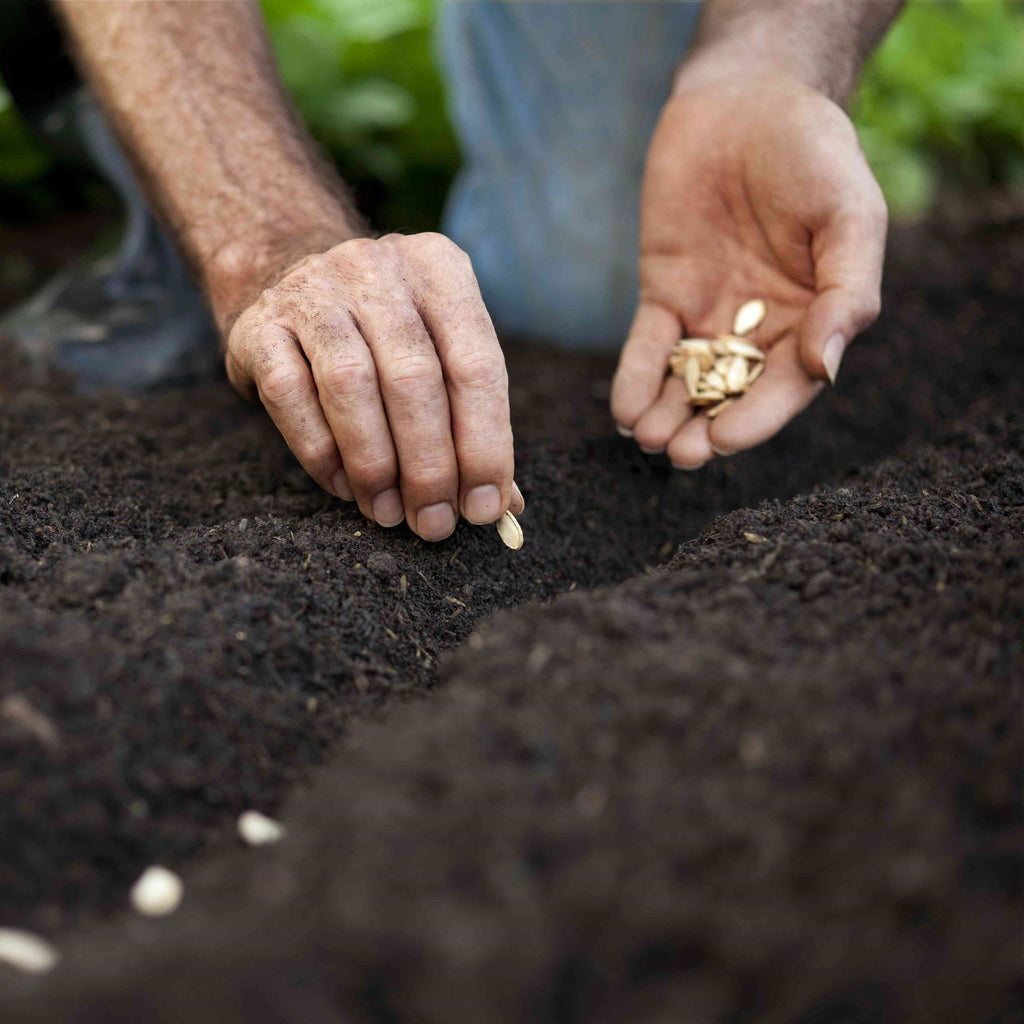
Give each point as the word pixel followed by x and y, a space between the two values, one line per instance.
pixel 554 102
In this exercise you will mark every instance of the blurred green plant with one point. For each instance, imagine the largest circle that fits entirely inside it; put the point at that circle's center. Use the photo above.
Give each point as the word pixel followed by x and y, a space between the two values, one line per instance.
pixel 21 159
pixel 362 72
pixel 943 98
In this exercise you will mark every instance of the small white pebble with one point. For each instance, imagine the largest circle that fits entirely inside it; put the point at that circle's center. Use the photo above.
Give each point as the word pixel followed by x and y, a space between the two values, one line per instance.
pixel 157 892
pixel 257 829
pixel 26 952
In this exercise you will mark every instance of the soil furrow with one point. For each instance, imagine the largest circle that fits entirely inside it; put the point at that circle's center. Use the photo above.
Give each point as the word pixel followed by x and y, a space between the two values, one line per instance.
pixel 200 626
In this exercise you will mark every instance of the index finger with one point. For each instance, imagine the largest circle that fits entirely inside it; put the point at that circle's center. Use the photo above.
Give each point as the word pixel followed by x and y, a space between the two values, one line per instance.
pixel 477 383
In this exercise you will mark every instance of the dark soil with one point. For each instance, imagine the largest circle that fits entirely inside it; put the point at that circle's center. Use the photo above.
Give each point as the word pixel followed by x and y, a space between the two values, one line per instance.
pixel 778 780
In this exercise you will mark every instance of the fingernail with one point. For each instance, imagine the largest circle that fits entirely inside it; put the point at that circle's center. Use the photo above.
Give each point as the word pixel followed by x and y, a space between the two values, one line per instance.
pixel 435 522
pixel 652 451
pixel 722 452
pixel 832 356
pixel 387 508
pixel 482 504
pixel 341 487
pixel 520 501
pixel 689 469
pixel 624 431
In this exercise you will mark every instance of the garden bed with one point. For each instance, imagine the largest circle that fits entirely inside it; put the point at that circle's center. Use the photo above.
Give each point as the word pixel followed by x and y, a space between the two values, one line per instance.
pixel 777 777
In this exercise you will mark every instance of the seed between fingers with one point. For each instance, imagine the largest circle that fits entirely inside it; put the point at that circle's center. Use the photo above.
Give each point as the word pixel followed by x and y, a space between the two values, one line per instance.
pixel 510 531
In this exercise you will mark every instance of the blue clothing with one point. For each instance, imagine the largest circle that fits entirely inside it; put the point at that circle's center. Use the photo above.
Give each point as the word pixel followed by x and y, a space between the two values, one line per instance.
pixel 554 102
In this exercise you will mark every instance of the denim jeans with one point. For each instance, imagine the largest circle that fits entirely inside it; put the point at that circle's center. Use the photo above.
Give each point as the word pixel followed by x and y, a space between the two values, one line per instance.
pixel 554 102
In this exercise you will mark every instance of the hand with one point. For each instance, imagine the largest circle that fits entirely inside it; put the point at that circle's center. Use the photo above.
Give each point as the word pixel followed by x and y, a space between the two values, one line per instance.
pixel 755 187
pixel 378 363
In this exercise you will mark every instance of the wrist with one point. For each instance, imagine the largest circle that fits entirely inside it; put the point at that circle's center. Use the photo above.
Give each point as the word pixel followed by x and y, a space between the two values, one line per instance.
pixel 237 271
pixel 771 43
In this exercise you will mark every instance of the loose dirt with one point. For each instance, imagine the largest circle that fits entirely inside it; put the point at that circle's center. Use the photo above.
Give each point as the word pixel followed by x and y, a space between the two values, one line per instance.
pixel 778 779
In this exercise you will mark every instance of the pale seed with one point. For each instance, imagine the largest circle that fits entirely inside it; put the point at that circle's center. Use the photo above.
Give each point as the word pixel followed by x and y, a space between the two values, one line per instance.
pixel 510 531
pixel 715 381
pixel 722 364
pixel 694 346
pixel 157 892
pixel 720 346
pixel 743 348
pixel 698 347
pixel 716 409
pixel 257 829
pixel 692 372
pixel 755 371
pixel 749 317
pixel 26 952
pixel 707 397
pixel 736 377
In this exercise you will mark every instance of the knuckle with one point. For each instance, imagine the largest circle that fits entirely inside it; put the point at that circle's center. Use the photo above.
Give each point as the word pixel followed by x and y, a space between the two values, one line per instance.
pixel 429 476
pixel 373 473
pixel 412 374
pixel 441 247
pixel 369 262
pixel 358 248
pixel 435 241
pixel 345 377
pixel 282 384
pixel 478 370
pixel 317 454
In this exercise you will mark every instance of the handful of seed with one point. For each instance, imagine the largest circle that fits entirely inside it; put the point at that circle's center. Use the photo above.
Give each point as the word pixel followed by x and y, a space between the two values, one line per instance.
pixel 717 370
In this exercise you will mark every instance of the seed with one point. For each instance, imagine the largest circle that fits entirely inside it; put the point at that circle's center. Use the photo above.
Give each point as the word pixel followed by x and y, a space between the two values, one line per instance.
pixel 716 409
pixel 749 317
pixel 26 952
pixel 510 531
pixel 736 375
pixel 755 371
pixel 699 347
pixel 743 348
pixel 720 346
pixel 722 364
pixel 257 829
pixel 716 381
pixel 157 892
pixel 694 346
pixel 692 373
pixel 707 397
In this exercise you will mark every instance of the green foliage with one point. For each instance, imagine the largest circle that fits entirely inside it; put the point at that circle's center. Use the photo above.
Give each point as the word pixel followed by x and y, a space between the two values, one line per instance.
pixel 944 95
pixel 363 75
pixel 21 160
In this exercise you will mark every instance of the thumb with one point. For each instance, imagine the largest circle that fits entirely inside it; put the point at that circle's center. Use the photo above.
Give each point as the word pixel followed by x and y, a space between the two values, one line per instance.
pixel 848 279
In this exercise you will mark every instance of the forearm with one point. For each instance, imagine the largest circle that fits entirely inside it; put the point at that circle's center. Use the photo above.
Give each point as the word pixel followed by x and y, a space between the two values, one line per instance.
pixel 823 43
pixel 193 91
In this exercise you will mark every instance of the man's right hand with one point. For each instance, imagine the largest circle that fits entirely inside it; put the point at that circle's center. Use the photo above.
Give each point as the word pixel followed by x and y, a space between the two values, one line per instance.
pixel 378 362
